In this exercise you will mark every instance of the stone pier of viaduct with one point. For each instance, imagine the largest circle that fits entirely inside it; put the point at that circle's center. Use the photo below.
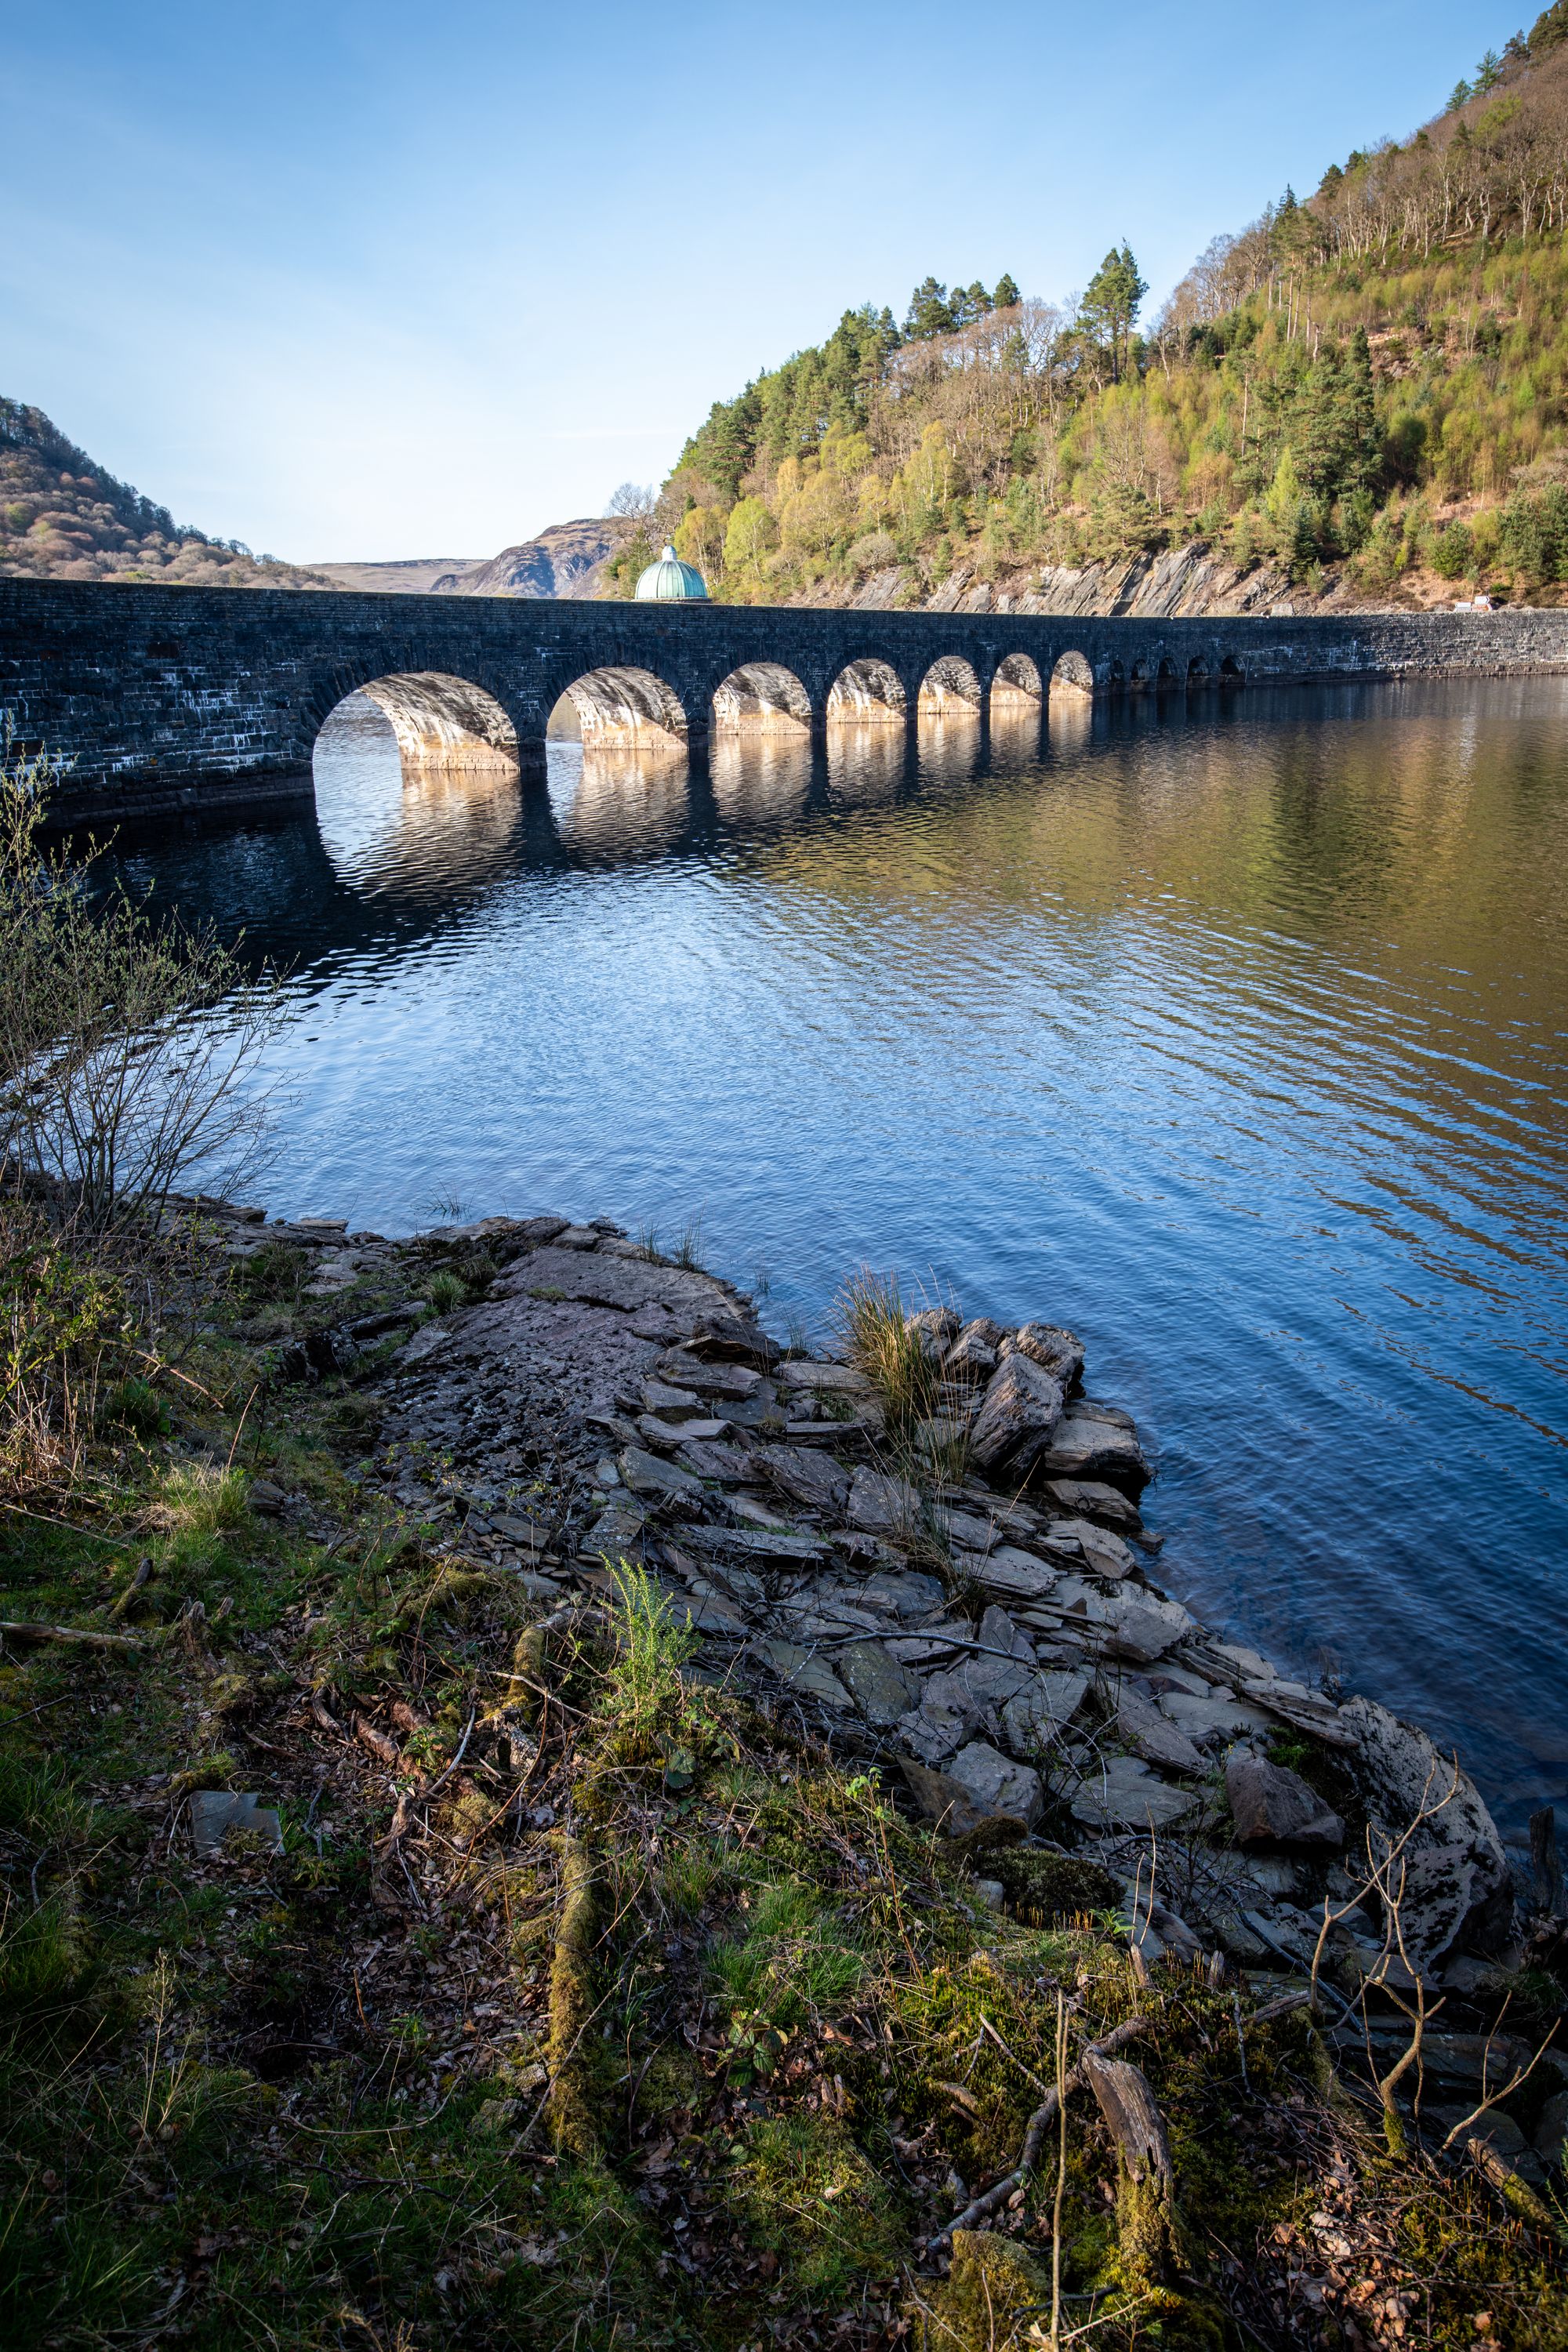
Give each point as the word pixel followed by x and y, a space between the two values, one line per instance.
pixel 179 698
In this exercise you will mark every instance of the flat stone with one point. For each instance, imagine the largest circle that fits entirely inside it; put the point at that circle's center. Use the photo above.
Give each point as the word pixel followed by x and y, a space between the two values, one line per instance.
pixel 613 1532
pixel 934 1732
pixel 1091 1499
pixel 578 1237
pixel 1120 1626
pixel 807 1476
pixel 1213 1717
pixel 1303 1709
pixel 965 1528
pixel 880 1687
pixel 1126 1795
pixel 907 1595
pixel 732 1338
pixel 807 1672
pixel 1021 1407
pixel 1152 1734
pixel 1056 1350
pixel 738 1382
pixel 884 1505
pixel 671 1403
pixel 216 1811
pixel 726 1466
pixel 757 1543
pixel 665 1435
pixel 645 1474
pixel 1104 1554
pixel 1088 1444
pixel 823 1380
pixel 1273 1806
pixel 1036 1715
pixel 1011 1573
pixel 997 1784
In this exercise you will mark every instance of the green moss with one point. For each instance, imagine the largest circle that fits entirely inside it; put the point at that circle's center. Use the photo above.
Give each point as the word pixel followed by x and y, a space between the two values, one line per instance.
pixel 807 2194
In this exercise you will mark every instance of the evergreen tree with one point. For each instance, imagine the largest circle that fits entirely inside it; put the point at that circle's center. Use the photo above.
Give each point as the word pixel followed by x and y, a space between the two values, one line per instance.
pixel 1109 307
pixel 930 313
pixel 1006 294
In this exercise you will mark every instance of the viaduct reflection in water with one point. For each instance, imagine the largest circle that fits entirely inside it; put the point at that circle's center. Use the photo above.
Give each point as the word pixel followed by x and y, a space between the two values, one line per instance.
pixel 1230 1032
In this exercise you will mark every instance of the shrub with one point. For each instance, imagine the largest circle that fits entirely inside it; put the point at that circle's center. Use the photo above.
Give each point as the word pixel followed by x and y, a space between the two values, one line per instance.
pixel 1451 553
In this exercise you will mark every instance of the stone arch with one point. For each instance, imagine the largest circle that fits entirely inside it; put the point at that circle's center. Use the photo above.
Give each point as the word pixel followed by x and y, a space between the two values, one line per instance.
pixel 761 697
pixel 1017 685
pixel 1071 675
pixel 950 686
pixel 1166 678
pixel 1116 678
pixel 620 704
pixel 1231 673
pixel 1141 680
pixel 1197 671
pixel 868 689
pixel 437 720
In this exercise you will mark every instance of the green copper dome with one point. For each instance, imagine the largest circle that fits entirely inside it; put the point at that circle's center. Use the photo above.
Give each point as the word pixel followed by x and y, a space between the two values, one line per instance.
pixel 671 582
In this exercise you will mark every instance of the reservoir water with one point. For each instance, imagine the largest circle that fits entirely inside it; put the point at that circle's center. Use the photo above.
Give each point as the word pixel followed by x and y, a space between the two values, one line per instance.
pixel 1230 1032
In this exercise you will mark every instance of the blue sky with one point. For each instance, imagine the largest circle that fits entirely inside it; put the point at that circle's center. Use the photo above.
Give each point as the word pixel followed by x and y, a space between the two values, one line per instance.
pixel 347 280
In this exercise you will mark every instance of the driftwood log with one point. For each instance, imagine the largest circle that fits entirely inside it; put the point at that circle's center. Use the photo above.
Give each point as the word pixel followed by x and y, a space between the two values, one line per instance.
pixel 1146 2216
pixel 996 2196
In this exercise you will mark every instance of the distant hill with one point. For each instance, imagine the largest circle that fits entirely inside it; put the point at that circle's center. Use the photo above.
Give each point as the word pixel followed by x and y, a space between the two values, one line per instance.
pixel 64 518
pixel 411 575
pixel 568 560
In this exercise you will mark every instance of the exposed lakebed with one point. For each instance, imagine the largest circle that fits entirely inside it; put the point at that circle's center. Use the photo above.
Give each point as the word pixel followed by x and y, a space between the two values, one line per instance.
pixel 1230 1035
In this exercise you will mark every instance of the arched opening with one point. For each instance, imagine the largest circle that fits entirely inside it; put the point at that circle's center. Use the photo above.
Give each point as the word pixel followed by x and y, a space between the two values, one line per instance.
pixel 416 756
pixel 1197 671
pixel 950 689
pixel 1166 678
pixel 619 706
pixel 435 720
pixel 1072 679
pixel 763 698
pixel 1229 672
pixel 1140 680
pixel 1017 686
pixel 868 692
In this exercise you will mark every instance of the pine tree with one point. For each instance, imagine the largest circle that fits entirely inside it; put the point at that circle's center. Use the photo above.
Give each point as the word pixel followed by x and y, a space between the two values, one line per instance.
pixel 1006 294
pixel 929 313
pixel 1110 306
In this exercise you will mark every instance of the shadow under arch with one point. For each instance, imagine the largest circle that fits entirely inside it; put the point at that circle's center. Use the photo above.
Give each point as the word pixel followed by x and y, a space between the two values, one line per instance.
pixel 1017 686
pixel 950 689
pixel 761 697
pixel 867 692
pixel 437 720
pixel 1071 678
pixel 619 706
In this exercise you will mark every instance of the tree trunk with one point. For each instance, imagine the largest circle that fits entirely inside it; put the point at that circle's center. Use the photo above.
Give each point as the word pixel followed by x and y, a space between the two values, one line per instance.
pixel 1146 2207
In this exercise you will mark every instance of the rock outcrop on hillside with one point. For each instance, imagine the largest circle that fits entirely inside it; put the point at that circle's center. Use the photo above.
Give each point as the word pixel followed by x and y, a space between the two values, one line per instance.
pixel 1180 583
pixel 567 561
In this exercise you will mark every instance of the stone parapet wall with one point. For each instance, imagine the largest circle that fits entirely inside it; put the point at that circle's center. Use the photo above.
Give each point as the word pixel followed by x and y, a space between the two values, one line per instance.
pixel 166 698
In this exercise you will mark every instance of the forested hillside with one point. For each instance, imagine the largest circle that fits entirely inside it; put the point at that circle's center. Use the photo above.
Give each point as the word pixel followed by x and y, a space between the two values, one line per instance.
pixel 1363 397
pixel 64 518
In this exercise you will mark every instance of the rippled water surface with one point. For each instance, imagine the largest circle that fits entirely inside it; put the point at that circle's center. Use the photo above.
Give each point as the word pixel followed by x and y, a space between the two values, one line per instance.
pixel 1232 1034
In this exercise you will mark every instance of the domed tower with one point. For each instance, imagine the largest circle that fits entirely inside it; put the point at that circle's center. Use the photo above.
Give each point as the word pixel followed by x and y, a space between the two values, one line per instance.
pixel 671 582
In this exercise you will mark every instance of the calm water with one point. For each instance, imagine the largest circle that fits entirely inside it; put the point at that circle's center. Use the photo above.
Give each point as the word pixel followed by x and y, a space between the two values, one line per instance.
pixel 1231 1034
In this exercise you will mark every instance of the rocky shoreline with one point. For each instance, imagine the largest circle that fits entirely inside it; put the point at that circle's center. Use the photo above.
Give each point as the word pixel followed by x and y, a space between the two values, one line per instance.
pixel 969 1604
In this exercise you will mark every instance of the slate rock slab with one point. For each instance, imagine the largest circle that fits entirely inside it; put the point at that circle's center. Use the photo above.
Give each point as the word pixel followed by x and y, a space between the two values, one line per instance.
pixel 998 1785
pixel 882 1504
pixel 1056 1350
pixel 804 1672
pixel 1126 1795
pixel 1457 1883
pixel 1089 1442
pixel 879 1685
pixel 1271 1805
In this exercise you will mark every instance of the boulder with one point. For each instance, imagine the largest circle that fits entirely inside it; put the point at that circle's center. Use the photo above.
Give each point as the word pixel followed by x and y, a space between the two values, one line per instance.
pixel 1457 1887
pixel 882 1504
pixel 670 1403
pixel 1023 1405
pixel 946 1802
pixel 965 1528
pixel 934 1732
pixel 1009 1572
pixel 726 1466
pixel 936 1328
pixel 733 1339
pixel 1056 1350
pixel 1271 1805
pixel 1136 1627
pixel 880 1687
pixel 905 1594
pixel 1091 1441
pixel 998 1785
pixel 1104 1554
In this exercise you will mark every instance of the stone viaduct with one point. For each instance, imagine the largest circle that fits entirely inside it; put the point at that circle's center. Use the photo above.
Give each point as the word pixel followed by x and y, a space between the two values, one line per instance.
pixel 165 699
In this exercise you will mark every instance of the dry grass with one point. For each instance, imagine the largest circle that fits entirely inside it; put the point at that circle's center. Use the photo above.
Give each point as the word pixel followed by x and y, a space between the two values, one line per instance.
pixel 872 1323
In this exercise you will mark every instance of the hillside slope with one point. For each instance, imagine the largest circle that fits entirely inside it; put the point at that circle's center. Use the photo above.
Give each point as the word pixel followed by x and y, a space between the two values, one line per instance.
pixel 1361 399
pixel 62 517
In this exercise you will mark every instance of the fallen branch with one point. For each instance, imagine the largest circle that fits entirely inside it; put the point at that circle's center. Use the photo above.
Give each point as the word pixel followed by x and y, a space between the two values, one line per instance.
pixel 20 1629
pixel 996 2196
